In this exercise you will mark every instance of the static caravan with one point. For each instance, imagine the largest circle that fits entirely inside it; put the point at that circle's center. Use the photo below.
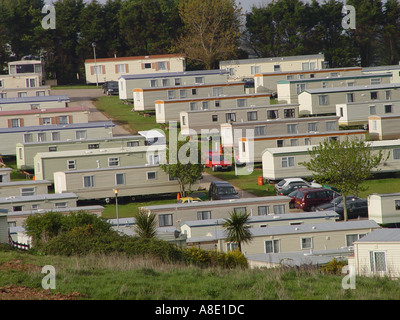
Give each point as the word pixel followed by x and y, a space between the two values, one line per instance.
pixel 25 151
pixel 295 238
pixel 199 228
pixel 24 188
pixel 384 127
pixel 131 181
pixel 267 82
pixel 212 118
pixel 384 208
pixel 126 83
pixel 393 70
pixel 21 81
pixel 31 103
pixel 28 118
pixel 230 132
pixel 110 69
pixel 16 219
pixel 377 254
pixel 280 163
pixel 3 226
pixel 46 163
pixel 53 132
pixel 173 214
pixel 169 110
pixel 288 90
pixel 39 201
pixel 144 98
pixel 250 149
pixel 357 113
pixel 324 101
pixel 5 174
pixel 24 92
pixel 26 68
pixel 246 68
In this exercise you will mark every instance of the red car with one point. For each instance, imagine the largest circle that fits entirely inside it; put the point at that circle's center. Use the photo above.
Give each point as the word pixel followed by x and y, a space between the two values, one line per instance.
pixel 309 199
pixel 216 161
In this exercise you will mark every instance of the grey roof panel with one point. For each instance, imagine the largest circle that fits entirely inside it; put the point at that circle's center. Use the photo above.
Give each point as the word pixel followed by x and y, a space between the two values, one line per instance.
pixel 382 235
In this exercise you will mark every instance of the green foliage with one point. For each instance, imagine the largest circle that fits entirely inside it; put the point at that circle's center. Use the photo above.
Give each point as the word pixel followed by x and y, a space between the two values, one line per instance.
pixel 183 162
pixel 333 267
pixel 344 165
pixel 211 31
pixel 237 229
pixel 44 227
pixel 213 258
pixel 145 224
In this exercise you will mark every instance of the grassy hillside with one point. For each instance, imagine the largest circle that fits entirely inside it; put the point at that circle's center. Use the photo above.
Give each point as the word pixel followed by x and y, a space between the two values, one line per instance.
pixel 117 278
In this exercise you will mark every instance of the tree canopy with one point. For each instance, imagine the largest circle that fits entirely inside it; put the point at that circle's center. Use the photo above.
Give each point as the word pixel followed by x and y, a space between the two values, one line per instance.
pixel 344 165
pixel 206 31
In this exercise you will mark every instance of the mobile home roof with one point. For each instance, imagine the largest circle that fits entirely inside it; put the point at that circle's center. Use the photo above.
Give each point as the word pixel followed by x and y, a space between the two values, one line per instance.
pixel 107 151
pixel 271 59
pixel 217 203
pixel 52 127
pixel 356 88
pixel 372 75
pixel 173 74
pixel 34 99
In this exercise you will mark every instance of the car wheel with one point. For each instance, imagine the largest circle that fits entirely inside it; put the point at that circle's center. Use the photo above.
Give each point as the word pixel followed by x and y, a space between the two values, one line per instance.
pixel 291 205
pixel 312 208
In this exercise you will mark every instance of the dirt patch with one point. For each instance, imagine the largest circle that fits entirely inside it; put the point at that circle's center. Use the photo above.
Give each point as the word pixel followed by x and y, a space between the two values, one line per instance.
pixel 24 293
pixel 19 266
pixel 12 292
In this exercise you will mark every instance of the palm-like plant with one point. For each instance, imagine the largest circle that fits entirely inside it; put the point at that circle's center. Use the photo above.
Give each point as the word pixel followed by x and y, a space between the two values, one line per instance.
pixel 237 228
pixel 145 224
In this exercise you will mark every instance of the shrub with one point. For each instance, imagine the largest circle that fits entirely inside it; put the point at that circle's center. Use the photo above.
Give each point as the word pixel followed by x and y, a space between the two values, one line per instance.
pixel 213 258
pixel 333 267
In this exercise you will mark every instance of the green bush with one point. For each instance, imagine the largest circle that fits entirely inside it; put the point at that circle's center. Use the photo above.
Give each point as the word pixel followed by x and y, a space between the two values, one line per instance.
pixel 333 267
pixel 43 227
pixel 213 258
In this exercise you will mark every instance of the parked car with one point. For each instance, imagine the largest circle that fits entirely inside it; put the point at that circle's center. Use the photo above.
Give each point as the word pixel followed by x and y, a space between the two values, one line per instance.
pixel 291 187
pixel 189 200
pixel 355 208
pixel 288 181
pixel 309 199
pixel 217 161
pixel 335 202
pixel 222 190
pixel 110 88
pixel 292 196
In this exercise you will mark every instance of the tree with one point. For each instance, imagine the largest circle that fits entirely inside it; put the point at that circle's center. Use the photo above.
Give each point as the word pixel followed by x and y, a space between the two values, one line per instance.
pixel 237 228
pixel 149 26
pixel 183 164
pixel 211 31
pixel 344 165
pixel 145 224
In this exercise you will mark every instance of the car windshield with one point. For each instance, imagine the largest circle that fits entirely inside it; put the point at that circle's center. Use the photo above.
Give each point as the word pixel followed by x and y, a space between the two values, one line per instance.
pixel 337 200
pixel 113 84
pixel 218 158
pixel 299 194
pixel 292 194
pixel 281 183
pixel 226 190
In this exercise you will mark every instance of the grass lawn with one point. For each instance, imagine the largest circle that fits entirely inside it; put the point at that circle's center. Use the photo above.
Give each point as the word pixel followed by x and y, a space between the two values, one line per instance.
pixel 116 277
pixel 122 113
pixel 127 210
